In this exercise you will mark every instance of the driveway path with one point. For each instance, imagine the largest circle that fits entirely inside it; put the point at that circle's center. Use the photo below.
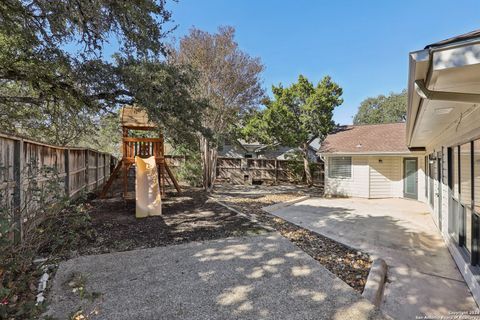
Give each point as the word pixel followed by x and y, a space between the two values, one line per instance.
pixel 423 278
pixel 260 277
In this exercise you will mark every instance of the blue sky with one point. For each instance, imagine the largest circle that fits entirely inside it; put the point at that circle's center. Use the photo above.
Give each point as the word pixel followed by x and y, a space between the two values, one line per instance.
pixel 363 45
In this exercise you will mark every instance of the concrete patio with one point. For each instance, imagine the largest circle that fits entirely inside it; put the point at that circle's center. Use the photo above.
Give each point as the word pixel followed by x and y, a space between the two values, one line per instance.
pixel 422 278
pixel 260 277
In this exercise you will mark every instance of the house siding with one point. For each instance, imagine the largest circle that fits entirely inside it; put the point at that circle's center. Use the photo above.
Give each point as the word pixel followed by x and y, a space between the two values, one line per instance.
pixel 372 178
pixel 385 177
pixel 461 130
pixel 355 186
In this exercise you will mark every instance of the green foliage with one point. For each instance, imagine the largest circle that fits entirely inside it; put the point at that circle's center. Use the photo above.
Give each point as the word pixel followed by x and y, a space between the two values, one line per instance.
pixel 191 170
pixel 60 95
pixel 296 114
pixel 382 109
pixel 52 227
pixel 295 167
pixel 104 134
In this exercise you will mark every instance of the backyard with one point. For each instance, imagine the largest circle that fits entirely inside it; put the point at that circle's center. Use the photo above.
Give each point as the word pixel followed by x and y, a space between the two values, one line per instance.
pixel 109 225
pixel 180 159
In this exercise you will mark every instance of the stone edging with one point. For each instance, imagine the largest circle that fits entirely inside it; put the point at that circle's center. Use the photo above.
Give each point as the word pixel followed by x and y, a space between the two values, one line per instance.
pixel 247 216
pixel 283 204
pixel 375 285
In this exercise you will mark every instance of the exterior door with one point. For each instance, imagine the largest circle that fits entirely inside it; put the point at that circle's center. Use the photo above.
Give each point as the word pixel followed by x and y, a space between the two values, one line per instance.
pixel 410 178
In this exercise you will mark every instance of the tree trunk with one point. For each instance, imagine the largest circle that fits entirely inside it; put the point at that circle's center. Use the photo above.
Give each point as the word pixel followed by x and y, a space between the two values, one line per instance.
pixel 308 174
pixel 209 163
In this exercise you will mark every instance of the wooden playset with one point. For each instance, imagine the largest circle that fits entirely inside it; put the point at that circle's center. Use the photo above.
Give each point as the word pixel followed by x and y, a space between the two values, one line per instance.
pixel 135 118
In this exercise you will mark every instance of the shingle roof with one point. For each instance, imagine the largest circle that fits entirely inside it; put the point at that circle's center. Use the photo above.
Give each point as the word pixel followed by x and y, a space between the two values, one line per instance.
pixel 374 138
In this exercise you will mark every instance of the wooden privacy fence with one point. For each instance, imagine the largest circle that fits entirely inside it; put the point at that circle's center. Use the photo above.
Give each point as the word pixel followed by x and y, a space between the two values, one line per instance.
pixel 256 171
pixel 22 161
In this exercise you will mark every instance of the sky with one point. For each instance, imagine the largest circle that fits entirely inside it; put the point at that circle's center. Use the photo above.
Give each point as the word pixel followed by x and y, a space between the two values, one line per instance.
pixel 362 45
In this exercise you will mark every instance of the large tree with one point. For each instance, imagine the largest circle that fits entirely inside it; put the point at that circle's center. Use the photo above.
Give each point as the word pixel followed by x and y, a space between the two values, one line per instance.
pixel 229 81
pixel 382 109
pixel 296 115
pixel 54 78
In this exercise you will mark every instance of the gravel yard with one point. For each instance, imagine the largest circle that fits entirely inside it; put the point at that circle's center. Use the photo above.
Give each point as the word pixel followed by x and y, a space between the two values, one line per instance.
pixel 352 266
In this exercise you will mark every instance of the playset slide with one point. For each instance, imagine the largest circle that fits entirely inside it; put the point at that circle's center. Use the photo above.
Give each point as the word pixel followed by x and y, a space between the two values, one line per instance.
pixel 147 192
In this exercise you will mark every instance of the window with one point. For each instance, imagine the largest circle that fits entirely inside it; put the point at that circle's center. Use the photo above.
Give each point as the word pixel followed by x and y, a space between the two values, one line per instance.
pixel 476 175
pixel 466 190
pixel 476 202
pixel 426 176
pixel 431 172
pixel 455 172
pixel 340 167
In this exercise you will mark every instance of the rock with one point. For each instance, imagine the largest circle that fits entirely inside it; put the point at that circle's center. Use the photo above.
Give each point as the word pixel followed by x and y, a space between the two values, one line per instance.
pixel 40 298
pixel 39 260
pixel 42 284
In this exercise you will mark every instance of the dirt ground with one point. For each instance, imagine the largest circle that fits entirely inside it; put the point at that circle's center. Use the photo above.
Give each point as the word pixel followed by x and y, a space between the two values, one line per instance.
pixel 189 216
pixel 192 216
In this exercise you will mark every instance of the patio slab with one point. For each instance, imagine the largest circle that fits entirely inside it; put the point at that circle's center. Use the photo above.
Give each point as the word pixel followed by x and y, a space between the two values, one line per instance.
pixel 261 277
pixel 423 279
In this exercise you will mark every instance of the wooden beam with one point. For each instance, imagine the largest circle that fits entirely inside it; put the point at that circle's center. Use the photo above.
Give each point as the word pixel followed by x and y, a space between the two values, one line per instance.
pixel 112 177
pixel 172 177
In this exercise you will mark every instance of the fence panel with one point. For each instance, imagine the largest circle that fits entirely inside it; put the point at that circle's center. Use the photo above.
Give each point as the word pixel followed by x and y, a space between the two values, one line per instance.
pixel 77 171
pixel 28 167
pixel 252 171
pixel 92 165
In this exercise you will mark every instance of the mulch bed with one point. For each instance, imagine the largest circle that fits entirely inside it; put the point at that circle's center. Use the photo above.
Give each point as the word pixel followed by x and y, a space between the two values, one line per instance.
pixel 352 266
pixel 190 216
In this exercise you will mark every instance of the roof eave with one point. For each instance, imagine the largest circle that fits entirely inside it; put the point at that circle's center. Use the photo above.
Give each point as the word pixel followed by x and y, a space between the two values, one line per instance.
pixel 412 106
pixel 372 153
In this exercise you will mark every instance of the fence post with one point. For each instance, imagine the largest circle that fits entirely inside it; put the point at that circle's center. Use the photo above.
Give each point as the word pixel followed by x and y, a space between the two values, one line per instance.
pixel 66 154
pixel 96 170
pixel 104 168
pixel 276 170
pixel 87 171
pixel 18 167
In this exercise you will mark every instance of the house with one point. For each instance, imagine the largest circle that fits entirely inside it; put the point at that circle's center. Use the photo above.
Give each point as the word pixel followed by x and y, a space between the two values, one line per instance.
pixel 434 157
pixel 444 118
pixel 256 150
pixel 372 161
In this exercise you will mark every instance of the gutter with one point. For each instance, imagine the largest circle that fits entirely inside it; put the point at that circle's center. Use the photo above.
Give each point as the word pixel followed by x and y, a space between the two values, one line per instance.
pixel 416 152
pixel 420 86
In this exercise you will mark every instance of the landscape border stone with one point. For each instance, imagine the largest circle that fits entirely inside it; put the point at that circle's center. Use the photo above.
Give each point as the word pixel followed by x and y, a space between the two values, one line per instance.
pixel 376 279
pixel 283 204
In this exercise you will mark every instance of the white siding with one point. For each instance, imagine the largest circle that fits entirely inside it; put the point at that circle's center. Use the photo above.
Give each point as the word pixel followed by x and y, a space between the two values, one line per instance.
pixel 356 186
pixel 374 179
pixel 421 179
pixel 385 177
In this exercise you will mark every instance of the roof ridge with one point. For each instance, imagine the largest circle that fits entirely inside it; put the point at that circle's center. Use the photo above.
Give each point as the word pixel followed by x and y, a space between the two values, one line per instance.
pixel 371 124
